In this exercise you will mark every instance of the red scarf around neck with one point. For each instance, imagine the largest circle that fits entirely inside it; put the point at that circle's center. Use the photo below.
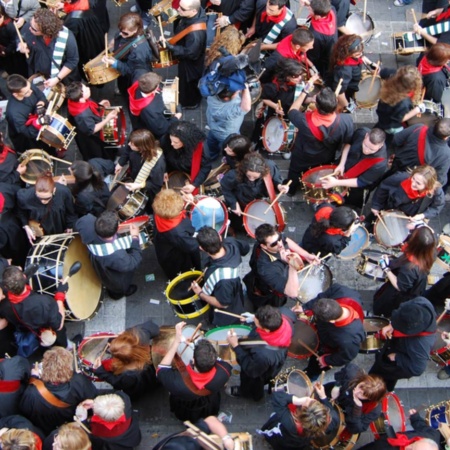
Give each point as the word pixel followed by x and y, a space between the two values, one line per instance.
pixel 401 441
pixel 201 379
pixel 350 61
pixel 76 108
pixel 284 48
pixel 274 19
pixel 298 425
pixel 138 104
pixel 425 68
pixel 445 14
pixel 4 154
pixel 410 192
pixel 163 225
pixel 325 25
pixel 102 428
pixel 348 320
pixel 13 298
pixel 278 338
pixel 79 5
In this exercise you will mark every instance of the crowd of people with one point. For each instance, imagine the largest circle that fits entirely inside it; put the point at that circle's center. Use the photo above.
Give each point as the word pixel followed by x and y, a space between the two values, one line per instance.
pixel 199 190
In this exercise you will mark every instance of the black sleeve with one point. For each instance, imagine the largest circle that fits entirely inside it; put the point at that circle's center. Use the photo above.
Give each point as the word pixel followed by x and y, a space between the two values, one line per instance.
pixel 228 184
pixel 124 155
pixel 244 13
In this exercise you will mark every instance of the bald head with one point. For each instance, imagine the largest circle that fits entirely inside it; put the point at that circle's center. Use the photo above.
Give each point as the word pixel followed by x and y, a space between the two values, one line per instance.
pixel 423 444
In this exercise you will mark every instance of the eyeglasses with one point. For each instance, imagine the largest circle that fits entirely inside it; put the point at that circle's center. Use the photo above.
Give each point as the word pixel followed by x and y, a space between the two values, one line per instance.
pixel 275 243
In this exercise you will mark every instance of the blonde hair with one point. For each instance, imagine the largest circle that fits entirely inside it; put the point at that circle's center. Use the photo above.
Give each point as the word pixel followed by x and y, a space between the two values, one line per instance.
pixel 57 366
pixel 109 407
pixel 430 176
pixel 231 39
pixel 15 439
pixel 168 204
pixel 405 81
pixel 72 437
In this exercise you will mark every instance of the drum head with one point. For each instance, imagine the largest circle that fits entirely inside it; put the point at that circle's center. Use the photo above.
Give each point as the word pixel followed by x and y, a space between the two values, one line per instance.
pixel 177 180
pixel 359 240
pixel 369 92
pixel 162 343
pixel 444 325
pixel 257 208
pixel 180 287
pixel 438 414
pixel 311 178
pixel 299 384
pixel 186 351
pixel 37 163
pixel 139 221
pixel 303 332
pixel 319 280
pixel 356 25
pixel 374 324
pixel 210 212
pixel 398 232
pixel 274 134
pixel 91 348
pixel 394 412
pixel 220 334
pixel 118 197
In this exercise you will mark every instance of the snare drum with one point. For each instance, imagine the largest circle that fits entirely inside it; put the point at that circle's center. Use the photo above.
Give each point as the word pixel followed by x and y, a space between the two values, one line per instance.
pixel 165 59
pixel 165 6
pixel 169 94
pixel 97 73
pixel 211 185
pixel 357 25
pixel 303 331
pixel 437 414
pixel 57 93
pixel 368 265
pixel 255 88
pixel 330 440
pixel 433 112
pixel 314 192
pixel 319 280
pixel 359 241
pixel 210 212
pixel 294 381
pixel 401 46
pixel 59 133
pixel 218 338
pixel 185 303
pixel 275 216
pixel 145 229
pixel 398 231
pixel 55 254
pixel 369 91
pixel 91 348
pixel 372 343
pixel 393 413
pixel 114 132
pixel 177 180
pixel 127 203
pixel 278 135
pixel 37 162
pixel 443 252
pixel 440 354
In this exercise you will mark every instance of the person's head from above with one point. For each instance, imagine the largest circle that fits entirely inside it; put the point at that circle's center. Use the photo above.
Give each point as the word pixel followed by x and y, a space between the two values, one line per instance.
pixel 320 8
pixel 327 310
pixel 109 407
pixel 373 141
pixel 107 224
pixel 275 7
pixel 314 418
pixel 144 142
pixel 45 188
pixel 188 8
pixel 252 168
pixel 205 356
pixel 347 46
pixel 127 350
pixel 19 86
pixel 302 39
pixel 237 146
pixel 368 387
pixel 442 128
pixel 71 436
pixel 289 71
pixel 14 280
pixel 438 54
pixel 149 82
pixel 424 179
pixel 18 439
pixel 326 101
pixel 57 366
pixel 269 238
pixel 209 240
pixel 168 204
pixel 45 23
pixel 77 91
pixel 130 25
pixel 185 135
pixel 423 444
pixel 268 318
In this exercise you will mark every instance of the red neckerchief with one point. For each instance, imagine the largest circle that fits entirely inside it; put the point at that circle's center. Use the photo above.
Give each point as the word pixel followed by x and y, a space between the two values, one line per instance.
pixel 33 121
pixel 421 144
pixel 4 153
pixel 401 441
pixel 425 68
pixel 351 317
pixel 47 40
pixel 13 298
pixel 102 428
pixel 410 192
pixel 298 425
pixel 76 108
pixel 80 5
pixel 350 61
pixel 323 213
pixel 315 130
pixel 278 338
pixel 37 442
pixel 443 15
pixel 196 163
pixel 352 303
pixel 368 406
pixel 6 20
pixel 399 334
pixel 8 386
pixel 284 48
pixel 325 25
pixel 274 19
pixel 107 364
pixel 334 231
pixel 163 225
pixel 201 379
pixel 138 104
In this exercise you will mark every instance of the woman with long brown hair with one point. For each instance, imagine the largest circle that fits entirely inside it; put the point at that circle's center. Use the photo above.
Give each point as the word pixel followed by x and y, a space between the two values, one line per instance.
pixel 407 274
pixel 229 42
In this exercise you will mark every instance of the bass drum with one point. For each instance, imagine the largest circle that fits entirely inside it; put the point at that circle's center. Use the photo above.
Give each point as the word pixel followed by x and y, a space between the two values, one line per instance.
pixel 304 331
pixel 369 90
pixel 372 343
pixel 256 215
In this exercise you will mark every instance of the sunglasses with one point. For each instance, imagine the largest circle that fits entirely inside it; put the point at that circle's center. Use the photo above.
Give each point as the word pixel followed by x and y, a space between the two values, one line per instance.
pixel 275 243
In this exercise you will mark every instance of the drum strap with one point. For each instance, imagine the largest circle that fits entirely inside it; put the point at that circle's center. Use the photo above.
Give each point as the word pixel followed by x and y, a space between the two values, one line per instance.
pixel 122 243
pixel 268 181
pixel 316 131
pixel 146 168
pixel 186 31
pixel 179 364
pixel 123 51
pixel 58 52
pixel 362 166
pixel 421 144
pixel 47 395
pixel 433 30
pixel 221 273
pixel 273 34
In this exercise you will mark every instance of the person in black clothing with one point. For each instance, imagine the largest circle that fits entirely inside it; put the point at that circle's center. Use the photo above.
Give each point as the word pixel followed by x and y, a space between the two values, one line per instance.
pixel 115 264
pixel 407 274
pixel 177 250
pixel 190 51
pixel 14 374
pixel 339 318
pixel 239 13
pixel 46 208
pixel 418 145
pixel 19 422
pixel 363 162
pixel 260 364
pixel 58 377
pixel 222 287
pixel 235 147
pixel 10 169
pixel 330 230
pixel 410 338
pixel 196 394
pixel 130 368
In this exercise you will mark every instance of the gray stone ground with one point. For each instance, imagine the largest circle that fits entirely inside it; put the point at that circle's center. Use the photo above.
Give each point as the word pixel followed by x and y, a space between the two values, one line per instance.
pixel 150 301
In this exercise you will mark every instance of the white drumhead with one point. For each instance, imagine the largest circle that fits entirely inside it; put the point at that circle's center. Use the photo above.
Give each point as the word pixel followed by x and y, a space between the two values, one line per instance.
pixel 274 134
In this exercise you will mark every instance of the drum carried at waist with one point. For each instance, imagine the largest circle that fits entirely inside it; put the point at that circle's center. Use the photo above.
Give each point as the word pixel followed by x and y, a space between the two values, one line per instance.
pixel 304 332
pixel 211 186
pixel 368 265
pixel 369 90
pixel 114 132
pixel 278 135
pixel 401 46
pixel 255 215
pixel 391 230
pixel 97 73
pixel 208 211
pixel 169 94
pixel 393 414
pixel 164 8
pixel 359 241
pixel 56 94
pixel 177 180
pixel 372 326
pixel 433 112
pixel 440 353
pixel 145 229
pixel 37 163
pixel 166 59
pixel 319 280
pixel 294 382
pixel 128 204
pixel 59 133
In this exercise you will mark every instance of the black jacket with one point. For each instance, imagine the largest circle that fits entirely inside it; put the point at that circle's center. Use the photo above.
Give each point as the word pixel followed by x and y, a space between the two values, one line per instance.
pixel 15 369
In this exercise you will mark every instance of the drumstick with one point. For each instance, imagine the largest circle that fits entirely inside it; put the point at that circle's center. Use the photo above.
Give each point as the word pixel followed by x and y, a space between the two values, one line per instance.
pixel 60 160
pixel 199 278
pixel 195 206
pixel 365 11
pixel 249 215
pixel 106 49
pixel 75 359
pixel 414 15
pixel 338 88
pixel 280 107
pixel 441 317
pixel 384 225
pixel 81 424
pixel 260 74
pixel 213 226
pixel 221 311
pixel 375 73
pixel 161 31
pixel 103 351
pixel 277 197
pixel 332 174
pixel 322 375
pixel 191 339
pixel 321 259
pixel 307 273
pixel 50 107
pixel 20 38
pixel 398 216
pixel 167 184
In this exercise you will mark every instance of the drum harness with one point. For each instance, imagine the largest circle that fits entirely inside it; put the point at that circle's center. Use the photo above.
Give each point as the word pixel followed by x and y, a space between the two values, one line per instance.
pixel 108 248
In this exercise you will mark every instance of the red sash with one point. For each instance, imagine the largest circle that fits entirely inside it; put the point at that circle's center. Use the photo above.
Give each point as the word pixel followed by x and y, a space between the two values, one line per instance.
pixel 362 166
pixel 316 131
pixel 4 153
pixel 8 386
pixel 421 144
pixel 196 163
pixel 399 334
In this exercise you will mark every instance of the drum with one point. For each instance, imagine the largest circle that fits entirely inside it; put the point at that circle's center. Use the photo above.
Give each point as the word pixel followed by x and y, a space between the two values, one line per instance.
pixel 256 208
pixel 211 185
pixel 218 338
pixel 59 133
pixel 91 348
pixel 162 343
pixel 294 381
pixel 319 280
pixel 114 132
pixel 145 229
pixel 329 440
pixel 255 88
pixel 55 254
pixel 445 102
pixel 314 192
pixel 56 94
pixel 359 241
pixel 127 203
pixel 401 46
pixel 278 135
pixel 306 332
pixel 37 162
pixel 443 252
pixel 346 441
pixel 368 265
pixel 165 59
pixel 393 232
pixel 372 343
pixel 164 8
pixel 210 212
pixel 369 91
pixel 393 413
pixel 177 180
pixel 185 303
pixel 437 414
pixel 97 73
pixel 440 354
pixel 357 25
pixel 242 440
pixel 433 112
pixel 119 177
pixel 169 94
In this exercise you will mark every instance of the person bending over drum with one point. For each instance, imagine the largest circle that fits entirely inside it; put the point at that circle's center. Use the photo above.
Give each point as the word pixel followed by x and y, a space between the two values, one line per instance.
pixel 147 164
pixel 346 63
pixel 330 230
pixel 407 274
pixel 297 421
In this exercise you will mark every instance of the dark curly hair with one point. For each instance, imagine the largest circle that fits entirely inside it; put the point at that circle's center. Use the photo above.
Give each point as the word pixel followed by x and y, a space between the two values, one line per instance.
pixel 347 45
pixel 288 68
pixel 49 23
pixel 252 162
pixel 188 133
